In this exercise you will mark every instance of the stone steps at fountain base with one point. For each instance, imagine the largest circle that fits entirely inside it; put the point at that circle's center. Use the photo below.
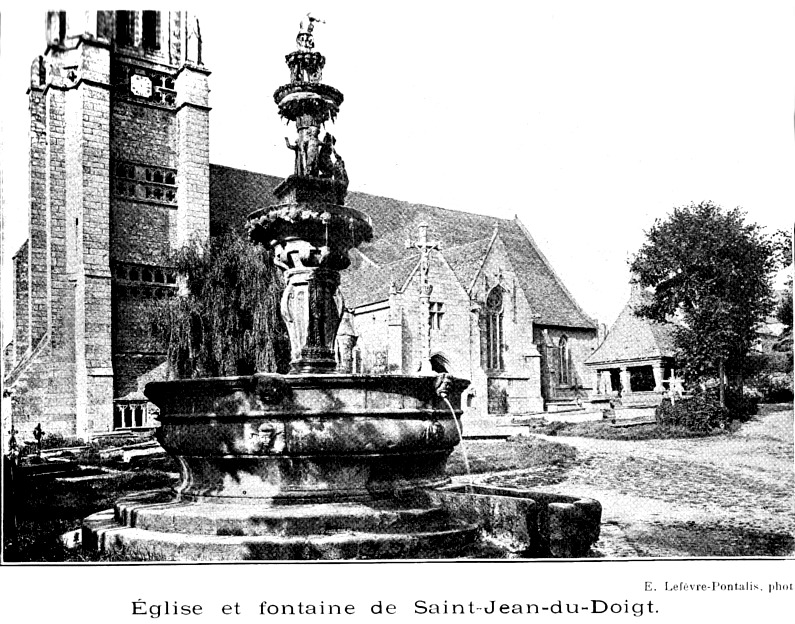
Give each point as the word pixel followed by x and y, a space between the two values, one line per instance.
pixel 159 511
pixel 102 533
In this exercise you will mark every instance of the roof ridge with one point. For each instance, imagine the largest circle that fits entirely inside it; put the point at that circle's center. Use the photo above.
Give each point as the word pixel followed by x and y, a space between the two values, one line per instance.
pixel 353 191
pixel 257 173
pixel 421 205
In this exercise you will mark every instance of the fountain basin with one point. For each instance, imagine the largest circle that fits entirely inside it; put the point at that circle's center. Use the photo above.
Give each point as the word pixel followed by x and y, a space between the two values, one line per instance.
pixel 306 438
pixel 296 467
pixel 527 523
pixel 327 467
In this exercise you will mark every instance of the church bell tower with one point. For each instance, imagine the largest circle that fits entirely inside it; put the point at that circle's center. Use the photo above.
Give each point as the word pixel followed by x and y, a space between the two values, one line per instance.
pixel 119 178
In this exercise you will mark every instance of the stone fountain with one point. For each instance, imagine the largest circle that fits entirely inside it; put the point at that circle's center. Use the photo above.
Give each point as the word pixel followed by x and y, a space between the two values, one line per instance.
pixel 315 464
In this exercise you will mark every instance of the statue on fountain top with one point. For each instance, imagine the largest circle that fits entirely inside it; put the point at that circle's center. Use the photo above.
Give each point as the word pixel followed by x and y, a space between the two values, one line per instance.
pixel 305 39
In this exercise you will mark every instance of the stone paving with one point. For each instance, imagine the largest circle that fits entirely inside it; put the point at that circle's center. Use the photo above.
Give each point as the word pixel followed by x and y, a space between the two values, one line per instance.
pixel 729 495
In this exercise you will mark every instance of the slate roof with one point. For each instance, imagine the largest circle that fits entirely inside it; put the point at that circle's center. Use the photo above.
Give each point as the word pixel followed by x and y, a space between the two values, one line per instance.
pixel 464 238
pixel 368 283
pixel 634 338
pixel 234 194
pixel 465 260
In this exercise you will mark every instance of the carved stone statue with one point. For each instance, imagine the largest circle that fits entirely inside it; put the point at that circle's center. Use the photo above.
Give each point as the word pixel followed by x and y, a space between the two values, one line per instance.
pixel 298 164
pixel 305 39
pixel 307 151
pixel 339 173
pixel 311 148
pixel 325 161
pixel 329 163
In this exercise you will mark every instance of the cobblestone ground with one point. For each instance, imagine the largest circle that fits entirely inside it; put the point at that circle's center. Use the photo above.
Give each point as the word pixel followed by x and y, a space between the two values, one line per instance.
pixel 727 496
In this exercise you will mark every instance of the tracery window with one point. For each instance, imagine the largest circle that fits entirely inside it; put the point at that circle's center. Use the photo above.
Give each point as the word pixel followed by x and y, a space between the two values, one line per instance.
pixel 564 362
pixel 145 183
pixel 494 333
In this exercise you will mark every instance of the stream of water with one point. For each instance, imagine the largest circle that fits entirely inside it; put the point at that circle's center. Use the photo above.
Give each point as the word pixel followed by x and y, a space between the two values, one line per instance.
pixel 461 441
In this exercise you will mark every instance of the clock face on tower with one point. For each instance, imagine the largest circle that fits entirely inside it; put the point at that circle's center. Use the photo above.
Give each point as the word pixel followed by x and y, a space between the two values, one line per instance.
pixel 141 85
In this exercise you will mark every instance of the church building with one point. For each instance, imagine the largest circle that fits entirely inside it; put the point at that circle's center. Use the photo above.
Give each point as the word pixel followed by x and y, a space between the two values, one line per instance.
pixel 120 177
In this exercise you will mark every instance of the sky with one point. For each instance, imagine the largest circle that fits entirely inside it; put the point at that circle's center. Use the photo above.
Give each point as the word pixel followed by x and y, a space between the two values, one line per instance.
pixel 588 120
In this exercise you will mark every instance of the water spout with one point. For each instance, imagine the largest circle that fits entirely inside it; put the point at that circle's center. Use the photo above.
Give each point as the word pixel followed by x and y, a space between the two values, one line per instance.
pixel 442 389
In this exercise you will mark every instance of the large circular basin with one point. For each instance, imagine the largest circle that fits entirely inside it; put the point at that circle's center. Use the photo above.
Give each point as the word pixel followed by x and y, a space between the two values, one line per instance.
pixel 284 439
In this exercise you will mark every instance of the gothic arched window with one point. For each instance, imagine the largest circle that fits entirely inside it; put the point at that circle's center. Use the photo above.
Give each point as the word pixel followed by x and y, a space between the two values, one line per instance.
pixel 494 335
pixel 564 362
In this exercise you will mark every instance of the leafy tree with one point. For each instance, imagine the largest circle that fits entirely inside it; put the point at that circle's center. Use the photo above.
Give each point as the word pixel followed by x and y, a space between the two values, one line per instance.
pixel 784 312
pixel 783 247
pixel 711 271
pixel 783 344
pixel 225 321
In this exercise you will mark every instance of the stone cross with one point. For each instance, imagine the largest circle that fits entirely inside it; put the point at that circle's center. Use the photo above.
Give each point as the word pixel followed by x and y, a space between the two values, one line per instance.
pixel 425 247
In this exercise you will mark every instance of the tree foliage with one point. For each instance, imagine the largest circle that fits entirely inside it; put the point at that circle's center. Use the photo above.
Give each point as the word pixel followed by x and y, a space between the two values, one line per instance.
pixel 783 248
pixel 226 320
pixel 711 271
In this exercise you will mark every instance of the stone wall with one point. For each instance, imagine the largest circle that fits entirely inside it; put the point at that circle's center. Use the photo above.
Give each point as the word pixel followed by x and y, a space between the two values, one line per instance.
pixel 21 302
pixel 581 343
pixel 458 342
pixel 193 150
pixel 44 394
pixel 144 156
pixel 140 232
pixel 143 133
pixel 160 200
pixel 451 340
pixel 518 382
pixel 37 216
pixel 370 327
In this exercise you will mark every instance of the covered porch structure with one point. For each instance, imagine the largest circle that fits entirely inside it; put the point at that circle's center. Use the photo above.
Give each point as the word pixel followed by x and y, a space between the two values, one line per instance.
pixel 635 361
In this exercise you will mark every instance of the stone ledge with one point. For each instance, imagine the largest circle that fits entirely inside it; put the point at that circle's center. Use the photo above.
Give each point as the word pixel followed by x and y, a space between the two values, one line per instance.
pixel 533 524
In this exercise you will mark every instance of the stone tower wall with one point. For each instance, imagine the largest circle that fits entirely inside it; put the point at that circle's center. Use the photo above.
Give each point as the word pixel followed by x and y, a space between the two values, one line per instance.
pixel 105 165
pixel 21 298
pixel 159 183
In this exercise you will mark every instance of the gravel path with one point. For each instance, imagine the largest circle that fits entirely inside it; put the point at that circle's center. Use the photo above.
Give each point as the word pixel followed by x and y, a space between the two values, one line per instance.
pixel 729 495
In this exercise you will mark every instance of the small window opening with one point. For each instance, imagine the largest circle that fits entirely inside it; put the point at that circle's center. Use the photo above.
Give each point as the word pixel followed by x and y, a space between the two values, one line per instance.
pixel 124 26
pixel 149 28
pixel 61 26
pixel 437 312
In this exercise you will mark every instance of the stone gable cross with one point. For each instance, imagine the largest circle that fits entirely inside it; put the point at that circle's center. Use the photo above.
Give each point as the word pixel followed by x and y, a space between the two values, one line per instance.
pixel 425 247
